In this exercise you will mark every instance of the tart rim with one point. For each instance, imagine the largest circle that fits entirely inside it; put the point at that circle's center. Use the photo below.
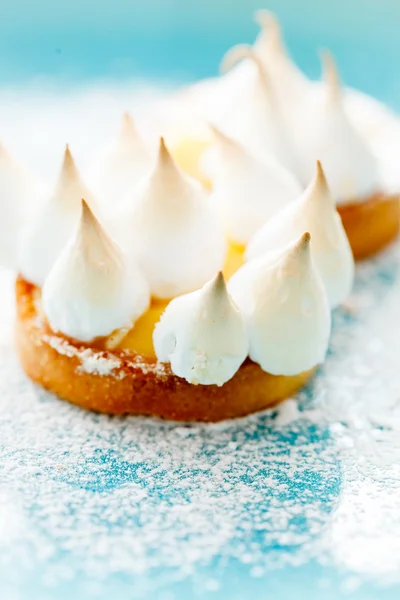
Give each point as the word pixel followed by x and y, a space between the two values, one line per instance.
pixel 120 382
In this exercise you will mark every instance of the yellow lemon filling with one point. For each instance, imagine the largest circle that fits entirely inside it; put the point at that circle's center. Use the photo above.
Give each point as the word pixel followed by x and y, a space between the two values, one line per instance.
pixel 140 338
pixel 187 153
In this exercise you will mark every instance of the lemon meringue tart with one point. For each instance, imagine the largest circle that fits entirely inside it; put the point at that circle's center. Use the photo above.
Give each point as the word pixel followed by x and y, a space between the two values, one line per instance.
pixel 252 104
pixel 167 318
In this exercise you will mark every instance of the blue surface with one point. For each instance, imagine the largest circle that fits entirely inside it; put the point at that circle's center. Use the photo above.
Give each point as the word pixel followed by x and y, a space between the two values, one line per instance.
pixel 97 507
pixel 86 500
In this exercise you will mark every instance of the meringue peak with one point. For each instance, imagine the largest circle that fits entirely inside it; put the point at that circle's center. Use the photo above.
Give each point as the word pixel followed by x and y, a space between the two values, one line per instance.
pixel 292 263
pixel 202 335
pixel 296 260
pixel 271 48
pixel 128 130
pixel 173 230
pixel 227 144
pixel 222 138
pixel 216 293
pixel 68 168
pixel 218 284
pixel 241 52
pixel 318 189
pixel 121 165
pixel 320 178
pixel 68 161
pixel 247 189
pixel 130 141
pixel 165 160
pixel 94 242
pixel 301 247
pixel 45 235
pixel 18 195
pixel 215 302
pixel 168 189
pixel 331 76
pixel 314 211
pixel 90 291
pixel 286 308
pixel 70 187
pixel 87 215
pixel 351 166
pixel 271 33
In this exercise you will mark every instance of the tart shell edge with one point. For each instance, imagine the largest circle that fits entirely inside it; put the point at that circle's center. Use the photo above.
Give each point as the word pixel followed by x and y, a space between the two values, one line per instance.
pixel 119 383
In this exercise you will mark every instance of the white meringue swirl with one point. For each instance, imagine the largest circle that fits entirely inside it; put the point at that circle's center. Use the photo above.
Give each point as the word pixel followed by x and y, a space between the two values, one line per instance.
pixel 44 237
pixel 286 308
pixel 173 231
pixel 351 168
pixel 91 290
pixel 254 116
pixel 247 191
pixel 115 174
pixel 313 211
pixel 202 335
pixel 18 192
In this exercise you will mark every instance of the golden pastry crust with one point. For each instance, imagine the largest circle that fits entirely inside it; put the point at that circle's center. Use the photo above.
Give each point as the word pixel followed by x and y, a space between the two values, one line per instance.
pixel 371 225
pixel 120 382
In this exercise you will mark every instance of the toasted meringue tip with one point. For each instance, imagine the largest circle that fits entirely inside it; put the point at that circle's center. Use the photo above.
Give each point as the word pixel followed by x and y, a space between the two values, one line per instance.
pixel 164 156
pixel 127 123
pixel 298 249
pixel 127 117
pixel 85 207
pixel 91 234
pixel 330 73
pixel 268 21
pixel 320 183
pixel 163 150
pixel 68 160
pixel 217 290
pixel 87 215
pixel 320 177
pixel 238 53
pixel 219 282
pixel 304 240
pixel 220 136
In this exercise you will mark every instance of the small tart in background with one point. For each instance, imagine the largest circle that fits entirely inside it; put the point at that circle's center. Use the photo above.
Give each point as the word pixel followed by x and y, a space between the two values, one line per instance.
pixel 320 125
pixel 372 224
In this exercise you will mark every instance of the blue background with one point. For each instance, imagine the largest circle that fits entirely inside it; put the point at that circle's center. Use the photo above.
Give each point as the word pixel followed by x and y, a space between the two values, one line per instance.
pixel 185 39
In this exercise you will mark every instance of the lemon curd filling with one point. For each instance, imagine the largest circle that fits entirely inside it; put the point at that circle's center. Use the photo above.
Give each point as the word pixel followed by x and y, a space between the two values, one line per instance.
pixel 187 153
pixel 140 338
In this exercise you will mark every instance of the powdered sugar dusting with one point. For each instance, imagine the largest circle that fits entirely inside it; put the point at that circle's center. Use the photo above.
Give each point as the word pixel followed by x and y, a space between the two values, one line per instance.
pixel 97 364
pixel 91 361
pixel 101 363
pixel 60 345
pixel 90 502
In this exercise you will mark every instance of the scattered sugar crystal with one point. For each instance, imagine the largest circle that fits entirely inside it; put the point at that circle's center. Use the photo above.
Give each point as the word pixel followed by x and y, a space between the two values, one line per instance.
pixel 287 412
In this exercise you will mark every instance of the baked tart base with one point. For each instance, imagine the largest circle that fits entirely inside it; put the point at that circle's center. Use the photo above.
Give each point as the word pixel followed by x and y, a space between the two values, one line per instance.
pixel 371 225
pixel 122 382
